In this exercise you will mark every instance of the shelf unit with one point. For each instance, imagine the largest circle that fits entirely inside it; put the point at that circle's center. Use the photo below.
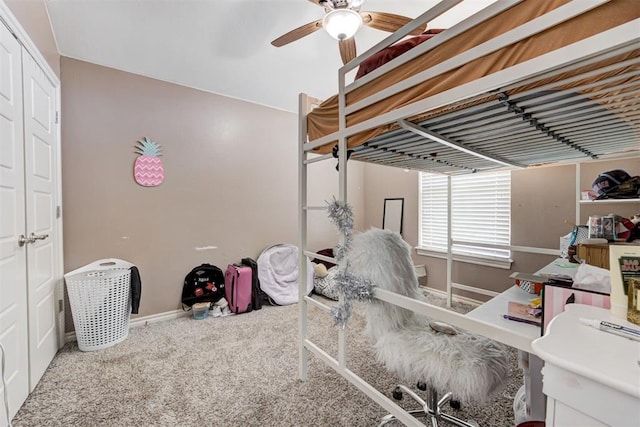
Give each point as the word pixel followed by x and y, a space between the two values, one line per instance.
pixel 590 203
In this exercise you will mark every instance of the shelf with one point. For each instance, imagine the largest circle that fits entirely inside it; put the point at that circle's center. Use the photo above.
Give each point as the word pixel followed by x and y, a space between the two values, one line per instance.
pixel 609 201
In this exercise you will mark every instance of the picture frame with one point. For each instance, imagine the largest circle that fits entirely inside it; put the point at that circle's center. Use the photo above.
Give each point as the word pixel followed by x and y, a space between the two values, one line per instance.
pixel 393 214
pixel 608 228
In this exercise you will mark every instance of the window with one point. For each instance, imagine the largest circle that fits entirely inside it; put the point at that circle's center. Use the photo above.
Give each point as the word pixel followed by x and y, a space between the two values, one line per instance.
pixel 480 213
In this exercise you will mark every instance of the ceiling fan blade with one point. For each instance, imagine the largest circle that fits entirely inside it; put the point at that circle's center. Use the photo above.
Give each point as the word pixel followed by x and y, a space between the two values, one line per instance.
pixel 387 21
pixel 298 33
pixel 347 49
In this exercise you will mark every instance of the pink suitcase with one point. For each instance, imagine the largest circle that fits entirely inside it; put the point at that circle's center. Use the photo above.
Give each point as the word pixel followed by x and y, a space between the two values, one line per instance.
pixel 237 288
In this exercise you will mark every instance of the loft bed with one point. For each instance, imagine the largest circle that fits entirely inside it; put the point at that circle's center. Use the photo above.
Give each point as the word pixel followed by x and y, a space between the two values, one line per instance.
pixel 489 70
pixel 518 84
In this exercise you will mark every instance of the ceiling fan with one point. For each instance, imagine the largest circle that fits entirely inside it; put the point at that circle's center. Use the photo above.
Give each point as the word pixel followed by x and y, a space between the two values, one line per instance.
pixel 342 20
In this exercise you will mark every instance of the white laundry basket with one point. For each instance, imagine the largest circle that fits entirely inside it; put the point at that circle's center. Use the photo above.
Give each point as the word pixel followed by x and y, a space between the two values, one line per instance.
pixel 100 298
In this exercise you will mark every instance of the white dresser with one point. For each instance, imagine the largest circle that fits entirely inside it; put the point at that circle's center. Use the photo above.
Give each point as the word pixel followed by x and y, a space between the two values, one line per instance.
pixel 590 377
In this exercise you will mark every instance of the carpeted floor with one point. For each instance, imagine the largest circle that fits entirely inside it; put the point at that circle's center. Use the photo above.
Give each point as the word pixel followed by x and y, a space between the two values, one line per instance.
pixel 240 370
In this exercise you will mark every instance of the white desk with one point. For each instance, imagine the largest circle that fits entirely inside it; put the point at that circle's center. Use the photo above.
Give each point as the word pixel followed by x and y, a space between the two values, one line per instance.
pixel 518 335
pixel 521 335
pixel 514 334
pixel 591 378
pixel 511 333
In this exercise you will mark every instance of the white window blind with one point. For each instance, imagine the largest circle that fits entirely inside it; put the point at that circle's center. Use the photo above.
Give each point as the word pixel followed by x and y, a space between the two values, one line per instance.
pixel 480 213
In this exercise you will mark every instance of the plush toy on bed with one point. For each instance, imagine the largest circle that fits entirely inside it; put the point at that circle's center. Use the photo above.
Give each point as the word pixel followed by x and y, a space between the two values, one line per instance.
pixel 324 273
pixel 324 281
pixel 319 270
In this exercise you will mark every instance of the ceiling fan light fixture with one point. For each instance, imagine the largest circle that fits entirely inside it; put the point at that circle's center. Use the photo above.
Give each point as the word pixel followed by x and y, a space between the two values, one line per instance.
pixel 342 24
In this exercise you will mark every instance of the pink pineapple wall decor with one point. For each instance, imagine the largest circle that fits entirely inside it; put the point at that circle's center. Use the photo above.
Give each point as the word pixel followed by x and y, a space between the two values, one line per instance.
pixel 148 169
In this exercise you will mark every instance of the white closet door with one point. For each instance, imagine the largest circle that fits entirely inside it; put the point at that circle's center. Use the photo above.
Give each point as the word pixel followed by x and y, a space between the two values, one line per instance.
pixel 40 151
pixel 13 272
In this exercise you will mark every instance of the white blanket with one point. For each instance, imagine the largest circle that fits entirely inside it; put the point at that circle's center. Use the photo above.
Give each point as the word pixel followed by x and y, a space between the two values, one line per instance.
pixel 278 273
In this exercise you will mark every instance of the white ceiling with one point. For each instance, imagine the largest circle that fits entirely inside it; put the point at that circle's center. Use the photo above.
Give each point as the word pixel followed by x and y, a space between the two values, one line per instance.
pixel 221 46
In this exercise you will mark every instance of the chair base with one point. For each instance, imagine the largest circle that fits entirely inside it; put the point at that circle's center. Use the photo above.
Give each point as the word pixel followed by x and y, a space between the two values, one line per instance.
pixel 432 412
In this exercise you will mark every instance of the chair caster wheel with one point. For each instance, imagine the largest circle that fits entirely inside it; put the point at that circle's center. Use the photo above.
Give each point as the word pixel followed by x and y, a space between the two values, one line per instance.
pixel 455 404
pixel 421 386
pixel 397 393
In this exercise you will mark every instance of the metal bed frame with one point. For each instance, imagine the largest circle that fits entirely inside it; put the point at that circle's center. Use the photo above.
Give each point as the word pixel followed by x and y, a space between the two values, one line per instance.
pixel 539 126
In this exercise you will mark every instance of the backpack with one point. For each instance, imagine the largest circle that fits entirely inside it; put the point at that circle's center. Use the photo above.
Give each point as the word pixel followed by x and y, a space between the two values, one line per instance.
pixel 204 283
pixel 629 189
pixel 613 184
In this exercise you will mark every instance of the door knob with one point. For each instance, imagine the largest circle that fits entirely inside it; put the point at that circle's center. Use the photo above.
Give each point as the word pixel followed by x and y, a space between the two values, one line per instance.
pixel 24 240
pixel 31 239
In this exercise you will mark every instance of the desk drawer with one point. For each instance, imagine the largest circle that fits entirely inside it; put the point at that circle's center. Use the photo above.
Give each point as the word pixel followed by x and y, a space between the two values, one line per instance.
pixel 596 400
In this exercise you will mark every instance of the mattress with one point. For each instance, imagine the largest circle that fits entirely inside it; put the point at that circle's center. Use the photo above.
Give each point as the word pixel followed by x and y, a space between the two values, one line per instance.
pixel 323 120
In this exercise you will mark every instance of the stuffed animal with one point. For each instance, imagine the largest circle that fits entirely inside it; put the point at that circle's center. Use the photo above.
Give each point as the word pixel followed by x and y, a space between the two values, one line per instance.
pixel 320 270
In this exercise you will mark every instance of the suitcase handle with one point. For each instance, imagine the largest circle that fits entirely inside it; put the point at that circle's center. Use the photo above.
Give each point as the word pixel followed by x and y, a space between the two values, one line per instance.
pixel 233 288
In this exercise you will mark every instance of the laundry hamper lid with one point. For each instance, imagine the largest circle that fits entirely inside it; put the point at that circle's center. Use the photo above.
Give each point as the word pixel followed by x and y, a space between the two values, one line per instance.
pixel 94 275
pixel 102 264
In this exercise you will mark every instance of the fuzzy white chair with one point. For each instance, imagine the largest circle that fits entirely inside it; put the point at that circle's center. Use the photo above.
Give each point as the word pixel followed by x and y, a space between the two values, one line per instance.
pixel 463 366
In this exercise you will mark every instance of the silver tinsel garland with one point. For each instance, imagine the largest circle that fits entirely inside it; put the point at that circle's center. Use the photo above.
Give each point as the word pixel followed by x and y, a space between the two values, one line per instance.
pixel 354 287
pixel 350 286
pixel 341 215
pixel 341 250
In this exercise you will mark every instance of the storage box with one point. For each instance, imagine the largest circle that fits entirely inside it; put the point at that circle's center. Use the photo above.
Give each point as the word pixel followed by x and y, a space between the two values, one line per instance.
pixel 597 255
pixel 200 310
pixel 588 195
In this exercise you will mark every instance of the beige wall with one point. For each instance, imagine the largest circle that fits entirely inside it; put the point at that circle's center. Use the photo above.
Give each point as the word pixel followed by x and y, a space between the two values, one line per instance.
pixel 543 208
pixel 230 179
pixel 383 182
pixel 33 16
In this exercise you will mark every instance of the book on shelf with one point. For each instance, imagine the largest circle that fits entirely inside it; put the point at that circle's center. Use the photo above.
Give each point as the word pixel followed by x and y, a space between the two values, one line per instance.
pixel 521 312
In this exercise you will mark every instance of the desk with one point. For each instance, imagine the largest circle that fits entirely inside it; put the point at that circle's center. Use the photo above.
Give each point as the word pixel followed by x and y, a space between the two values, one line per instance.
pixel 591 378
pixel 514 334
pixel 521 335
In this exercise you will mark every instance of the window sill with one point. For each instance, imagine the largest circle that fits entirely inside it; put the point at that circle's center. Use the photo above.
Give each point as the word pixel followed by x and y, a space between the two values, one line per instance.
pixel 486 262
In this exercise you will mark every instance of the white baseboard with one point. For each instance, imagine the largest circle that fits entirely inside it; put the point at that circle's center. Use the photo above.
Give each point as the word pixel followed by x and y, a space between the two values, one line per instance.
pixel 142 321
pixel 169 315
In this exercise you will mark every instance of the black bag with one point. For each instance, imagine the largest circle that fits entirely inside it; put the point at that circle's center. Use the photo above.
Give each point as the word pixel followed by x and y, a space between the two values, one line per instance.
pixel 616 184
pixel 258 297
pixel 630 189
pixel 204 283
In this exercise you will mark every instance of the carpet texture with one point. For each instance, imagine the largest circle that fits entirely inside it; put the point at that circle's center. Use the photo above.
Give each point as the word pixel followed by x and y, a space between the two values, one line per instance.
pixel 240 370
